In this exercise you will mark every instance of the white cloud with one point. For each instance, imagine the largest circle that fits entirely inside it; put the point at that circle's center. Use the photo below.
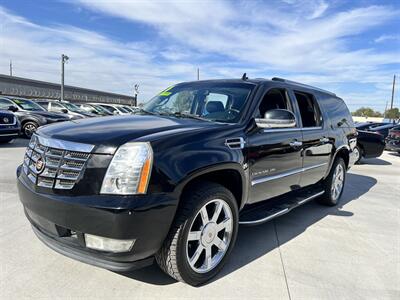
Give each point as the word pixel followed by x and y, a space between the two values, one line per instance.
pixel 387 37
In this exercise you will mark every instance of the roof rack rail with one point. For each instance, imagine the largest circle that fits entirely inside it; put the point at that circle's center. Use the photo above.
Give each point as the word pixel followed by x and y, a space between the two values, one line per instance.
pixel 302 84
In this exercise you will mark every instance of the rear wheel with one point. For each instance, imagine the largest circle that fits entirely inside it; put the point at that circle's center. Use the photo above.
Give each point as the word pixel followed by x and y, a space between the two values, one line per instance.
pixel 202 236
pixel 334 183
pixel 357 154
pixel 29 128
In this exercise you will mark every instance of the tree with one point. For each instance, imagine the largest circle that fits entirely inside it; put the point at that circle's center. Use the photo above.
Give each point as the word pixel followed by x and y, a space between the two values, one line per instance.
pixel 393 113
pixel 366 112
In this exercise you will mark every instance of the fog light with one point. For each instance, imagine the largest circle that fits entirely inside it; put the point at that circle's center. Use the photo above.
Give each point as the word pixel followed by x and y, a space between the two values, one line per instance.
pixel 107 244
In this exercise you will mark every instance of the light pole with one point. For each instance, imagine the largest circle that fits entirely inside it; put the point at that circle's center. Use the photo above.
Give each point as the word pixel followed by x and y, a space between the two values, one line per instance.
pixel 136 92
pixel 64 59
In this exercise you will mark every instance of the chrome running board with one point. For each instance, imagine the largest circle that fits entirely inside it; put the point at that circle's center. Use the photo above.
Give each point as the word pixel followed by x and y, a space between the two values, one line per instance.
pixel 270 209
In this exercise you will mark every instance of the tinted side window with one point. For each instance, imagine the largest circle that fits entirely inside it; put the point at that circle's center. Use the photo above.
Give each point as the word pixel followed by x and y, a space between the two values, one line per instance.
pixel 5 104
pixel 339 114
pixel 309 110
pixel 274 99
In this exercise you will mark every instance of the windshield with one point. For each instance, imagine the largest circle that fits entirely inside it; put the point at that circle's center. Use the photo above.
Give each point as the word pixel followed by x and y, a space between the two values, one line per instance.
pixel 28 105
pixel 121 109
pixel 213 101
pixel 100 109
pixel 71 107
pixel 109 108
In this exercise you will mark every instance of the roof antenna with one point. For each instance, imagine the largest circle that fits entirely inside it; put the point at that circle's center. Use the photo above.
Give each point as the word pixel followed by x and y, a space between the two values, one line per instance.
pixel 244 77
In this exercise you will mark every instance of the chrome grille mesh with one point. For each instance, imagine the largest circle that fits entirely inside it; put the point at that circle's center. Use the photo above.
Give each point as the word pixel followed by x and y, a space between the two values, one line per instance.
pixel 62 167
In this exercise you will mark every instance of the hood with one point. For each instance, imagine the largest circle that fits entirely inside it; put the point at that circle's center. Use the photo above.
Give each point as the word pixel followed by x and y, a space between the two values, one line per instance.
pixel 107 133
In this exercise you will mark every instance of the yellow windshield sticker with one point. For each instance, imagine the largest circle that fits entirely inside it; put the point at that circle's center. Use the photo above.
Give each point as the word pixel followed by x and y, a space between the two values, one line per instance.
pixel 165 92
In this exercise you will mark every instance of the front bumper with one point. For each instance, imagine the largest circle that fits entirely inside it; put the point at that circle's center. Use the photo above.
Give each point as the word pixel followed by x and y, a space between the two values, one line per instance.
pixel 61 222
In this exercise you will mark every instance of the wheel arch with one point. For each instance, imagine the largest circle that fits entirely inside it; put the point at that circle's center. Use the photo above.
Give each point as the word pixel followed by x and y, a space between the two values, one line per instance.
pixel 343 152
pixel 229 175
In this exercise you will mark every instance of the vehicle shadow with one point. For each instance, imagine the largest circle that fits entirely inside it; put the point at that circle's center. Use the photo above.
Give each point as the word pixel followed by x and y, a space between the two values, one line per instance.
pixel 394 154
pixel 374 161
pixel 17 143
pixel 254 242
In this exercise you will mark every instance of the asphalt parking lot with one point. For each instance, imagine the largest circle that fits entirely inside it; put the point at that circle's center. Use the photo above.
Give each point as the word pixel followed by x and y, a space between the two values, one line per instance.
pixel 347 252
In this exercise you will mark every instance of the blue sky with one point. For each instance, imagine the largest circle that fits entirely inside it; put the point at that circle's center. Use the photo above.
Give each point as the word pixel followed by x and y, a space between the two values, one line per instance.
pixel 349 47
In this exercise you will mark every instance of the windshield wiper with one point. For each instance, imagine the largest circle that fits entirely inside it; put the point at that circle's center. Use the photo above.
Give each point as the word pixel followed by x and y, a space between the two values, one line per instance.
pixel 186 115
pixel 148 112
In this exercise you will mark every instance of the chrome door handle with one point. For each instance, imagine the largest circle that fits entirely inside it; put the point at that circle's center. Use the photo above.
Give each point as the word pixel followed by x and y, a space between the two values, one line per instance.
pixel 295 144
pixel 324 140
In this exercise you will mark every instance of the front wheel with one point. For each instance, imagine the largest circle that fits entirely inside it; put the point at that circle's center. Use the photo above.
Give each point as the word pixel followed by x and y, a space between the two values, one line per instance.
pixel 334 183
pixel 202 235
pixel 29 128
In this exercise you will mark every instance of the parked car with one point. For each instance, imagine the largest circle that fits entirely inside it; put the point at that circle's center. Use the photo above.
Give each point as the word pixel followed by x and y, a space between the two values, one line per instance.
pixel 393 139
pixel 30 114
pixel 175 181
pixel 10 127
pixel 369 145
pixel 63 107
pixel 95 109
pixel 129 109
pixel 115 109
pixel 383 129
pixel 368 125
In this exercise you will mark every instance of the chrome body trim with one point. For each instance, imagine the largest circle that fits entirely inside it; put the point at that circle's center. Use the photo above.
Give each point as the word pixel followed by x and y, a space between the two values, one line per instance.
pixel 282 175
pixel 235 143
pixel 292 129
pixel 9 134
pixel 64 145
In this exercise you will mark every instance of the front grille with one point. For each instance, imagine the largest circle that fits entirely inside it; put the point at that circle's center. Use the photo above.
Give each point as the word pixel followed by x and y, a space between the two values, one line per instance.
pixel 62 167
pixel 8 120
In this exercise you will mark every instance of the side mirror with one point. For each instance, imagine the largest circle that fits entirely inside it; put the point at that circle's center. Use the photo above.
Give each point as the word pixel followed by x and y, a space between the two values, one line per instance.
pixel 64 110
pixel 115 112
pixel 12 108
pixel 277 118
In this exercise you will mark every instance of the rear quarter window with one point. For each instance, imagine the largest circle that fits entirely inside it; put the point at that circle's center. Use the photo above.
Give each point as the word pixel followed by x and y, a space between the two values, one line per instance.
pixel 337 111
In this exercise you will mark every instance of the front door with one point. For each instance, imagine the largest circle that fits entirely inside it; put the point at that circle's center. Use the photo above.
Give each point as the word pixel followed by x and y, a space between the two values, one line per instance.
pixel 274 155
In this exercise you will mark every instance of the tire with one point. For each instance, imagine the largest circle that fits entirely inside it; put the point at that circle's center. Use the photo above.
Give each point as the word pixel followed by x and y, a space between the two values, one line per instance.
pixel 359 152
pixel 331 197
pixel 184 259
pixel 29 128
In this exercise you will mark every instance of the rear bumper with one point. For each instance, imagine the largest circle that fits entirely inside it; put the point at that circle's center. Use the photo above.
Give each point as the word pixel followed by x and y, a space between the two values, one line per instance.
pixel 61 222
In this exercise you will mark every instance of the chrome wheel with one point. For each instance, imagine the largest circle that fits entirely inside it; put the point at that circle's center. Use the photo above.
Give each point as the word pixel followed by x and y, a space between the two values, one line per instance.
pixel 29 129
pixel 209 236
pixel 357 154
pixel 337 182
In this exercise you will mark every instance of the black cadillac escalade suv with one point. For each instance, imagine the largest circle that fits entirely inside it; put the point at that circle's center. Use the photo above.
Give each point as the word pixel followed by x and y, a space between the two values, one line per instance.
pixel 175 181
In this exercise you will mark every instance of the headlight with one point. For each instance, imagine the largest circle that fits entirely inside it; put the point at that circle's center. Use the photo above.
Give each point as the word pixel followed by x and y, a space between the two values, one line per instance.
pixel 129 170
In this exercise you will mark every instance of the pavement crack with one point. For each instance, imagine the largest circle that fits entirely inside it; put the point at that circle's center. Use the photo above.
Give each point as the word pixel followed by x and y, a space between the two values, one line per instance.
pixel 280 255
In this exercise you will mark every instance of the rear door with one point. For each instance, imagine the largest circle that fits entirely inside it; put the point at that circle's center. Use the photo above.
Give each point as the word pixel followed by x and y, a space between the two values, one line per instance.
pixel 274 155
pixel 317 138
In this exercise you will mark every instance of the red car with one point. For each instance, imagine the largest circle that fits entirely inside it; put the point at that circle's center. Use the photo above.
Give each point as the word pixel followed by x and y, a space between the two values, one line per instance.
pixel 393 139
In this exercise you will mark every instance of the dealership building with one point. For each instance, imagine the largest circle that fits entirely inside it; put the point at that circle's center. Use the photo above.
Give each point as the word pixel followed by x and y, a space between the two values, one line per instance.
pixel 35 89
